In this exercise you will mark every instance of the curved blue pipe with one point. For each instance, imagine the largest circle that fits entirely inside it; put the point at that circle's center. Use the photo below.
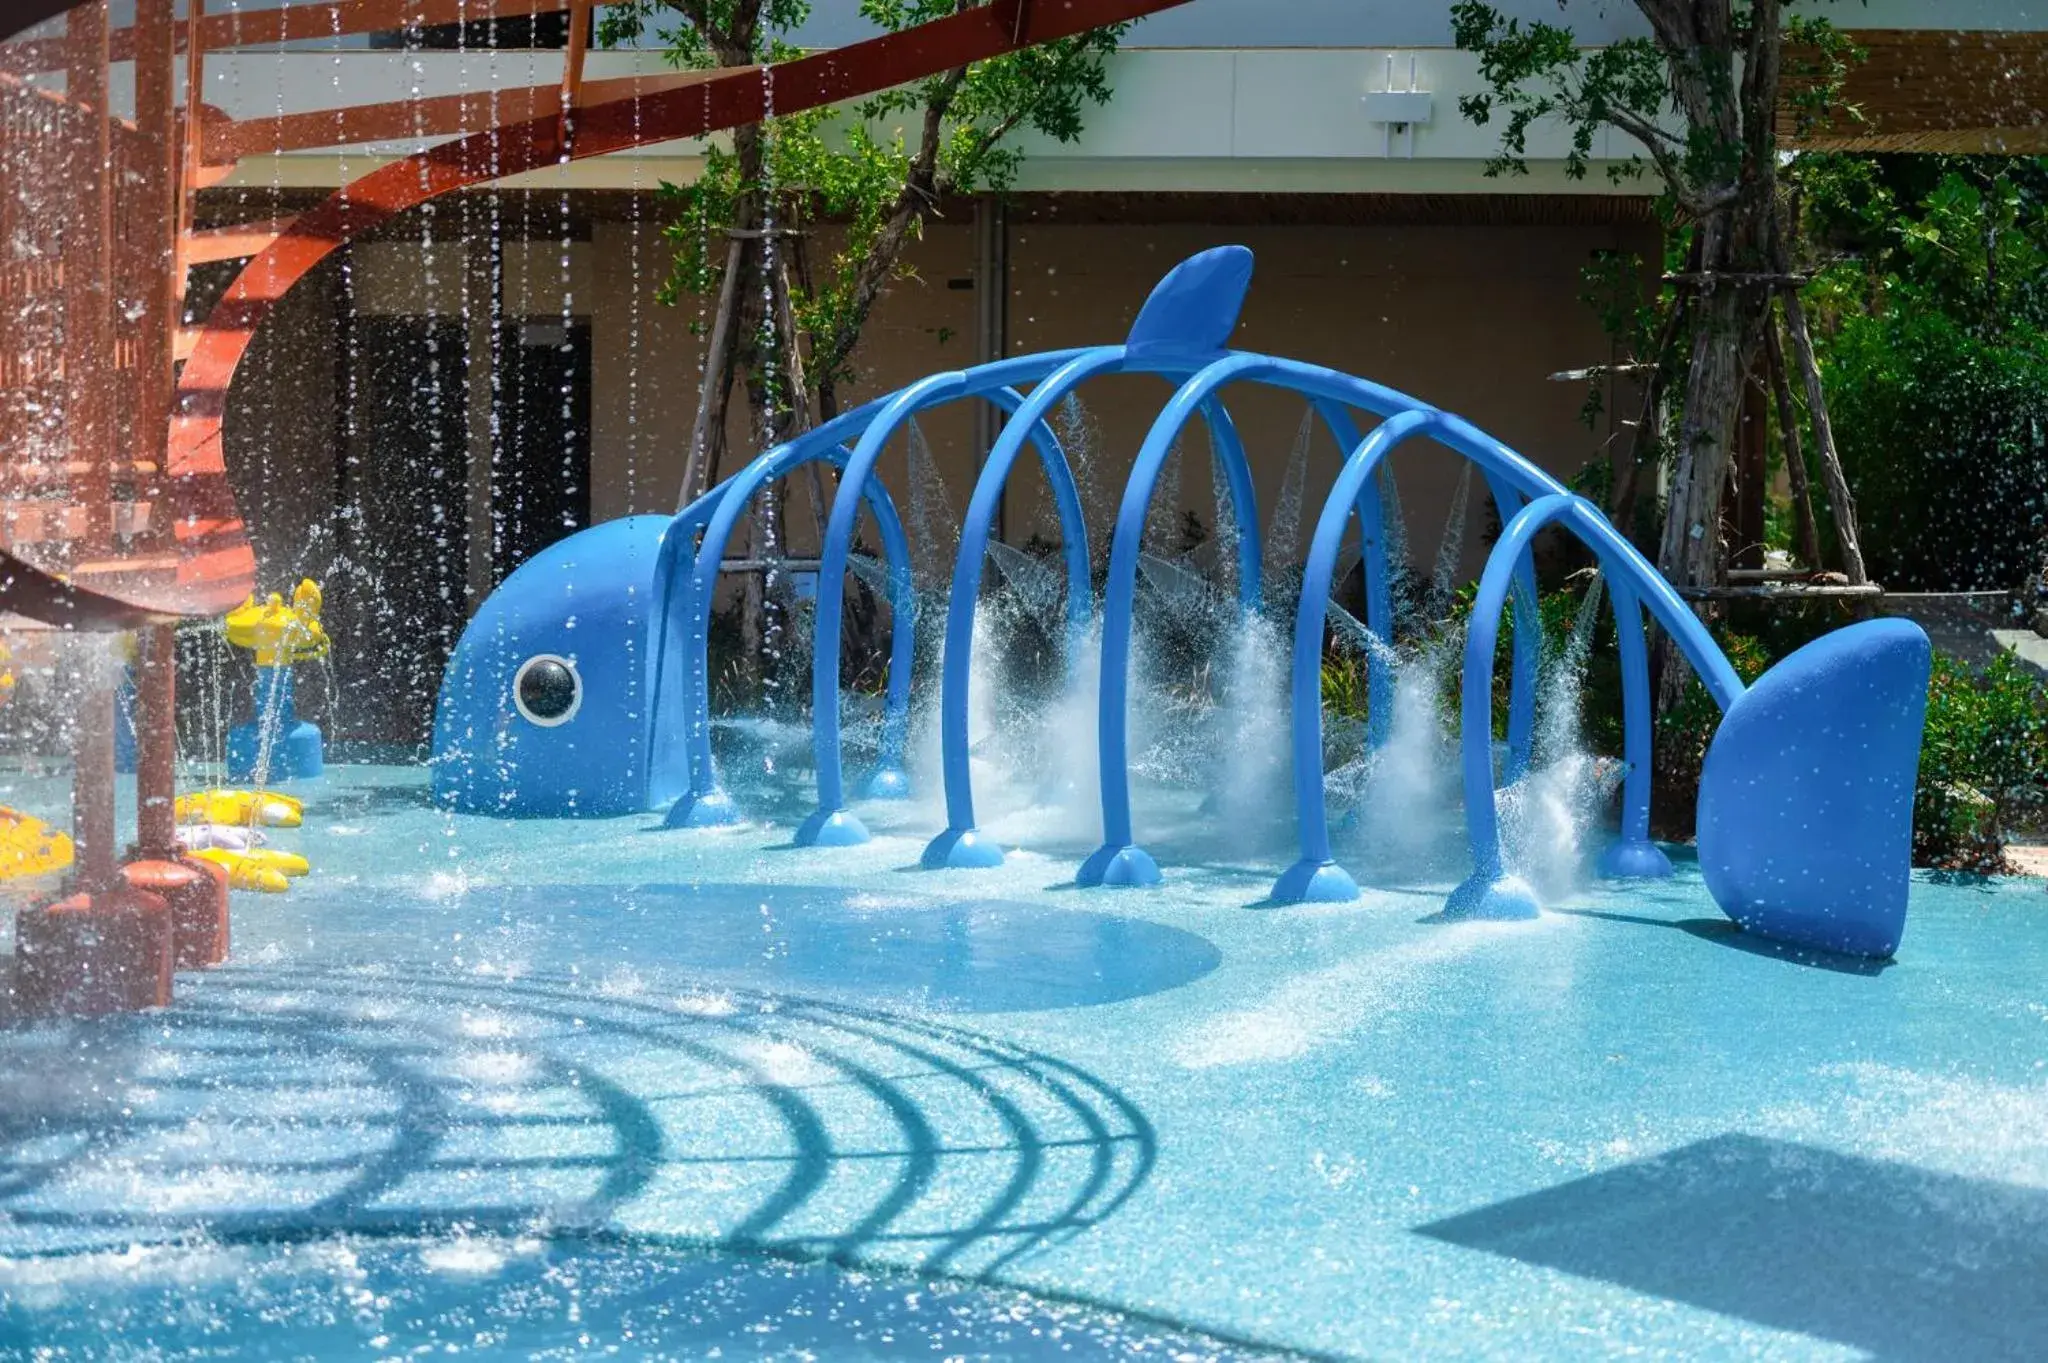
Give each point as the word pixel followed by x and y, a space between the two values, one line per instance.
pixel 961 845
pixel 1527 659
pixel 1489 892
pixel 1316 876
pixel 1118 861
pixel 1379 600
pixel 1633 856
pixel 717 513
pixel 831 825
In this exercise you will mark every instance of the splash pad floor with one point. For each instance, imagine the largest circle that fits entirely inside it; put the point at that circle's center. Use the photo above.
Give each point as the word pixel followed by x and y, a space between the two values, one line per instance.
pixel 551 1089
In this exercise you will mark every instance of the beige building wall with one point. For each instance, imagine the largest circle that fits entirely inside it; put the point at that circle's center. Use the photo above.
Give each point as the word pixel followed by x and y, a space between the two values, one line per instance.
pixel 648 362
pixel 1471 318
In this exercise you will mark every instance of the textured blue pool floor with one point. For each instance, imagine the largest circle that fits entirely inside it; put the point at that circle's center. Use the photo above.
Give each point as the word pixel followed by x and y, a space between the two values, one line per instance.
pixel 1621 1130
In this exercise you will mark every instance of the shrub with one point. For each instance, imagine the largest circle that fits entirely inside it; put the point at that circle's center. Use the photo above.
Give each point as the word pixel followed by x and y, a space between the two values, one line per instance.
pixel 1944 436
pixel 1679 745
pixel 1982 762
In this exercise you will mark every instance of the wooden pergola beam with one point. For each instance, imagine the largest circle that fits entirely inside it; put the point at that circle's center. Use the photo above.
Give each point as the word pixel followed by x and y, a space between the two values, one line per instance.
pixel 1925 90
pixel 204 563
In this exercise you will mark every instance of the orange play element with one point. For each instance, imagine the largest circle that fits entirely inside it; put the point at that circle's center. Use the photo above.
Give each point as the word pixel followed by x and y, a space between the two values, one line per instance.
pixel 93 954
pixel 197 893
pixel 132 517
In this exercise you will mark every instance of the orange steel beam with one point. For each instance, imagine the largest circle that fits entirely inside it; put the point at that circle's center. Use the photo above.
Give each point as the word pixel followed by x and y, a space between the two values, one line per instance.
pixel 301 22
pixel 433 116
pixel 216 566
pixel 238 242
pixel 572 60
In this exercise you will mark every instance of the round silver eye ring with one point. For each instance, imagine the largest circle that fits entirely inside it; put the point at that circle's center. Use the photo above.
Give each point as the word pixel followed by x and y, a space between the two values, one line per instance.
pixel 547 690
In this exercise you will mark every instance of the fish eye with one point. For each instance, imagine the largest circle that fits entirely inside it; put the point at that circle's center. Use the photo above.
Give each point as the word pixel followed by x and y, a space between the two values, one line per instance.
pixel 547 690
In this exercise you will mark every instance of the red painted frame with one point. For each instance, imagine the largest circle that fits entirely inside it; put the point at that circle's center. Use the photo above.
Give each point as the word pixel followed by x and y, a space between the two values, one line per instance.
pixel 217 565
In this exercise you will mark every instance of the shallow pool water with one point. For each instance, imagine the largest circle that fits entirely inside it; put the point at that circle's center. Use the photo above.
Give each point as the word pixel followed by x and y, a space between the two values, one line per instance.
pixel 505 1088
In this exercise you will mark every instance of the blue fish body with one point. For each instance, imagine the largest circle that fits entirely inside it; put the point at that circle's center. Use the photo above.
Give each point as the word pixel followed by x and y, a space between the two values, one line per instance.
pixel 549 706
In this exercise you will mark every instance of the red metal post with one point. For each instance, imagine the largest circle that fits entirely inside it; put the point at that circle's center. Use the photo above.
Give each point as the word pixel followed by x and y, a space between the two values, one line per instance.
pixel 88 365
pixel 92 774
pixel 156 741
pixel 88 255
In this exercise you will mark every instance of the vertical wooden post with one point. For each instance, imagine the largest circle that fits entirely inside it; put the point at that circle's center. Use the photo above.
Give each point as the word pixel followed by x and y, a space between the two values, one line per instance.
pixel 92 779
pixel 150 242
pixel 572 60
pixel 1750 468
pixel 1841 504
pixel 156 740
pixel 88 257
pixel 189 160
pixel 149 230
pixel 1795 454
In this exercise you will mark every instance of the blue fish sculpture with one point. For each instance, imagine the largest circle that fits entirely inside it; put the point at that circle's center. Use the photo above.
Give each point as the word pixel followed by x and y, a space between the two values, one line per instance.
pixel 550 704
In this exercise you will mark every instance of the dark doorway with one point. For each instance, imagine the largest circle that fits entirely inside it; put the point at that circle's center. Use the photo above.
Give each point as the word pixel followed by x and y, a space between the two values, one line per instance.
pixel 395 603
pixel 540 470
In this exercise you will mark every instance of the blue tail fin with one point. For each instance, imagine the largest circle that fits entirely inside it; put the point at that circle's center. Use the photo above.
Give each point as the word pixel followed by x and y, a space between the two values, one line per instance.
pixel 1806 802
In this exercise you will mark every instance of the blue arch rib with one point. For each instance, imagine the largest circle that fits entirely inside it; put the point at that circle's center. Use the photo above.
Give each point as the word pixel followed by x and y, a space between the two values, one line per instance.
pixel 1527 657
pixel 1316 876
pixel 1490 892
pixel 717 513
pixel 831 825
pixel 1509 475
pixel 1118 861
pixel 1633 856
pixel 1372 557
pixel 961 845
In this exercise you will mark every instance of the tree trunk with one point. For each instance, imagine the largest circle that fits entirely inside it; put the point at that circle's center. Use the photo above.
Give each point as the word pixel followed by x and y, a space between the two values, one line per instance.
pixel 799 388
pixel 1691 553
pixel 707 431
pixel 1840 502
pixel 1727 319
pixel 1795 456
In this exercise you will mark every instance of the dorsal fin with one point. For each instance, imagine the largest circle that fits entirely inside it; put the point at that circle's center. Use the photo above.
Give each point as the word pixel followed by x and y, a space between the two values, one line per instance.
pixel 1195 306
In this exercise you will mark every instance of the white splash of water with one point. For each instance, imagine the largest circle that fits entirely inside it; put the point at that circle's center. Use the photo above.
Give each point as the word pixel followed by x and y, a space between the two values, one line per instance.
pixel 1071 741
pixel 1547 818
pixel 1251 732
pixel 1410 822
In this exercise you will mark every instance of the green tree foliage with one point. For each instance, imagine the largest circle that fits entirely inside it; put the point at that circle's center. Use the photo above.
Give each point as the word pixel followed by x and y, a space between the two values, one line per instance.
pixel 1935 341
pixel 1981 764
pixel 1700 96
pixel 872 172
